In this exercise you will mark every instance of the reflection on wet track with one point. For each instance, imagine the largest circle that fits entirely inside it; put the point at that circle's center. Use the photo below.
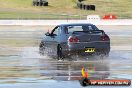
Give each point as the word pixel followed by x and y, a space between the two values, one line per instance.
pixel 30 64
pixel 20 61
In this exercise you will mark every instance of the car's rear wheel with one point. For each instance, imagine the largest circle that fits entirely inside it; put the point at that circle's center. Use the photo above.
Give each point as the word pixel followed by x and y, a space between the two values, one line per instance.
pixel 59 53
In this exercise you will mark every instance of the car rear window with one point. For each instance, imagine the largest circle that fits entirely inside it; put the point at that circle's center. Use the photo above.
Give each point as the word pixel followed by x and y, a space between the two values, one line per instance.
pixel 71 29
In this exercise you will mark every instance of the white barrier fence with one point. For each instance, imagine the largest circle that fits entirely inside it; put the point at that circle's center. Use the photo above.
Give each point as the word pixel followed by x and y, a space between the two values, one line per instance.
pixel 56 22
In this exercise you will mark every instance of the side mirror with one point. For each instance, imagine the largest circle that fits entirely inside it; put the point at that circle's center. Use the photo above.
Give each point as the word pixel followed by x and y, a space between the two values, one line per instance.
pixel 47 34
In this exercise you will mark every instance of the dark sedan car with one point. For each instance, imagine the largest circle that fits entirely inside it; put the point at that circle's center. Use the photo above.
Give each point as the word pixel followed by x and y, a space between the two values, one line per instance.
pixel 75 39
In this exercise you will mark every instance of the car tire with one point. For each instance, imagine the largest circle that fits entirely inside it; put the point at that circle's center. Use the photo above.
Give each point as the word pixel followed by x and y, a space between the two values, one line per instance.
pixel 59 53
pixel 34 3
pixel 92 7
pixel 45 3
pixel 37 4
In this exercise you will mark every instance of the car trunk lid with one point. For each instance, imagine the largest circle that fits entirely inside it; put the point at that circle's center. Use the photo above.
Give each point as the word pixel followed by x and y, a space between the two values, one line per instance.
pixel 88 36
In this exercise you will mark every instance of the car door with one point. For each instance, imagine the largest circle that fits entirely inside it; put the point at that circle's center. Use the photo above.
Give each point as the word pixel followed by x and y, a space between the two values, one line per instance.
pixel 52 40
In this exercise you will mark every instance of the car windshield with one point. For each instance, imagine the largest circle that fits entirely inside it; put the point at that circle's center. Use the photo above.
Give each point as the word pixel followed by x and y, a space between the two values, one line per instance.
pixel 79 28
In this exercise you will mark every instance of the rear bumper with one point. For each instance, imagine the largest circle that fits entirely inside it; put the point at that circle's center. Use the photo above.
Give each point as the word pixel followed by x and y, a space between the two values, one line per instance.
pixel 83 53
pixel 79 48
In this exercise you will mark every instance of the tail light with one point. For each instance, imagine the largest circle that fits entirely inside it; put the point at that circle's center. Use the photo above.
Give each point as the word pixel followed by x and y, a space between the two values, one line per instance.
pixel 104 38
pixel 73 39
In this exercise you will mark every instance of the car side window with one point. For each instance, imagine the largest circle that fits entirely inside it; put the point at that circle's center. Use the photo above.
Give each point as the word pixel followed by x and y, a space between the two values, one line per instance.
pixel 55 31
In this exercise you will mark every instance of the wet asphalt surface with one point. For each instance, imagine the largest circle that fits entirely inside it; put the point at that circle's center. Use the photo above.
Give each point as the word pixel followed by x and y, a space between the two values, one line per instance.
pixel 21 65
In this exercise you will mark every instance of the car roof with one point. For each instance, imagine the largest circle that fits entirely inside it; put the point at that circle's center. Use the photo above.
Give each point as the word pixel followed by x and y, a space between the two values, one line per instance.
pixel 77 24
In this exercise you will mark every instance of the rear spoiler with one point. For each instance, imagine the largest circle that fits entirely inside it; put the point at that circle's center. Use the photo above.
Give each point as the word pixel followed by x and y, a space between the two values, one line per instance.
pixel 91 31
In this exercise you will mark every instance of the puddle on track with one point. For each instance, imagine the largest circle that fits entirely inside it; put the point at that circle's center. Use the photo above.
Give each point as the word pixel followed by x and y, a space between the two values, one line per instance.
pixel 30 66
